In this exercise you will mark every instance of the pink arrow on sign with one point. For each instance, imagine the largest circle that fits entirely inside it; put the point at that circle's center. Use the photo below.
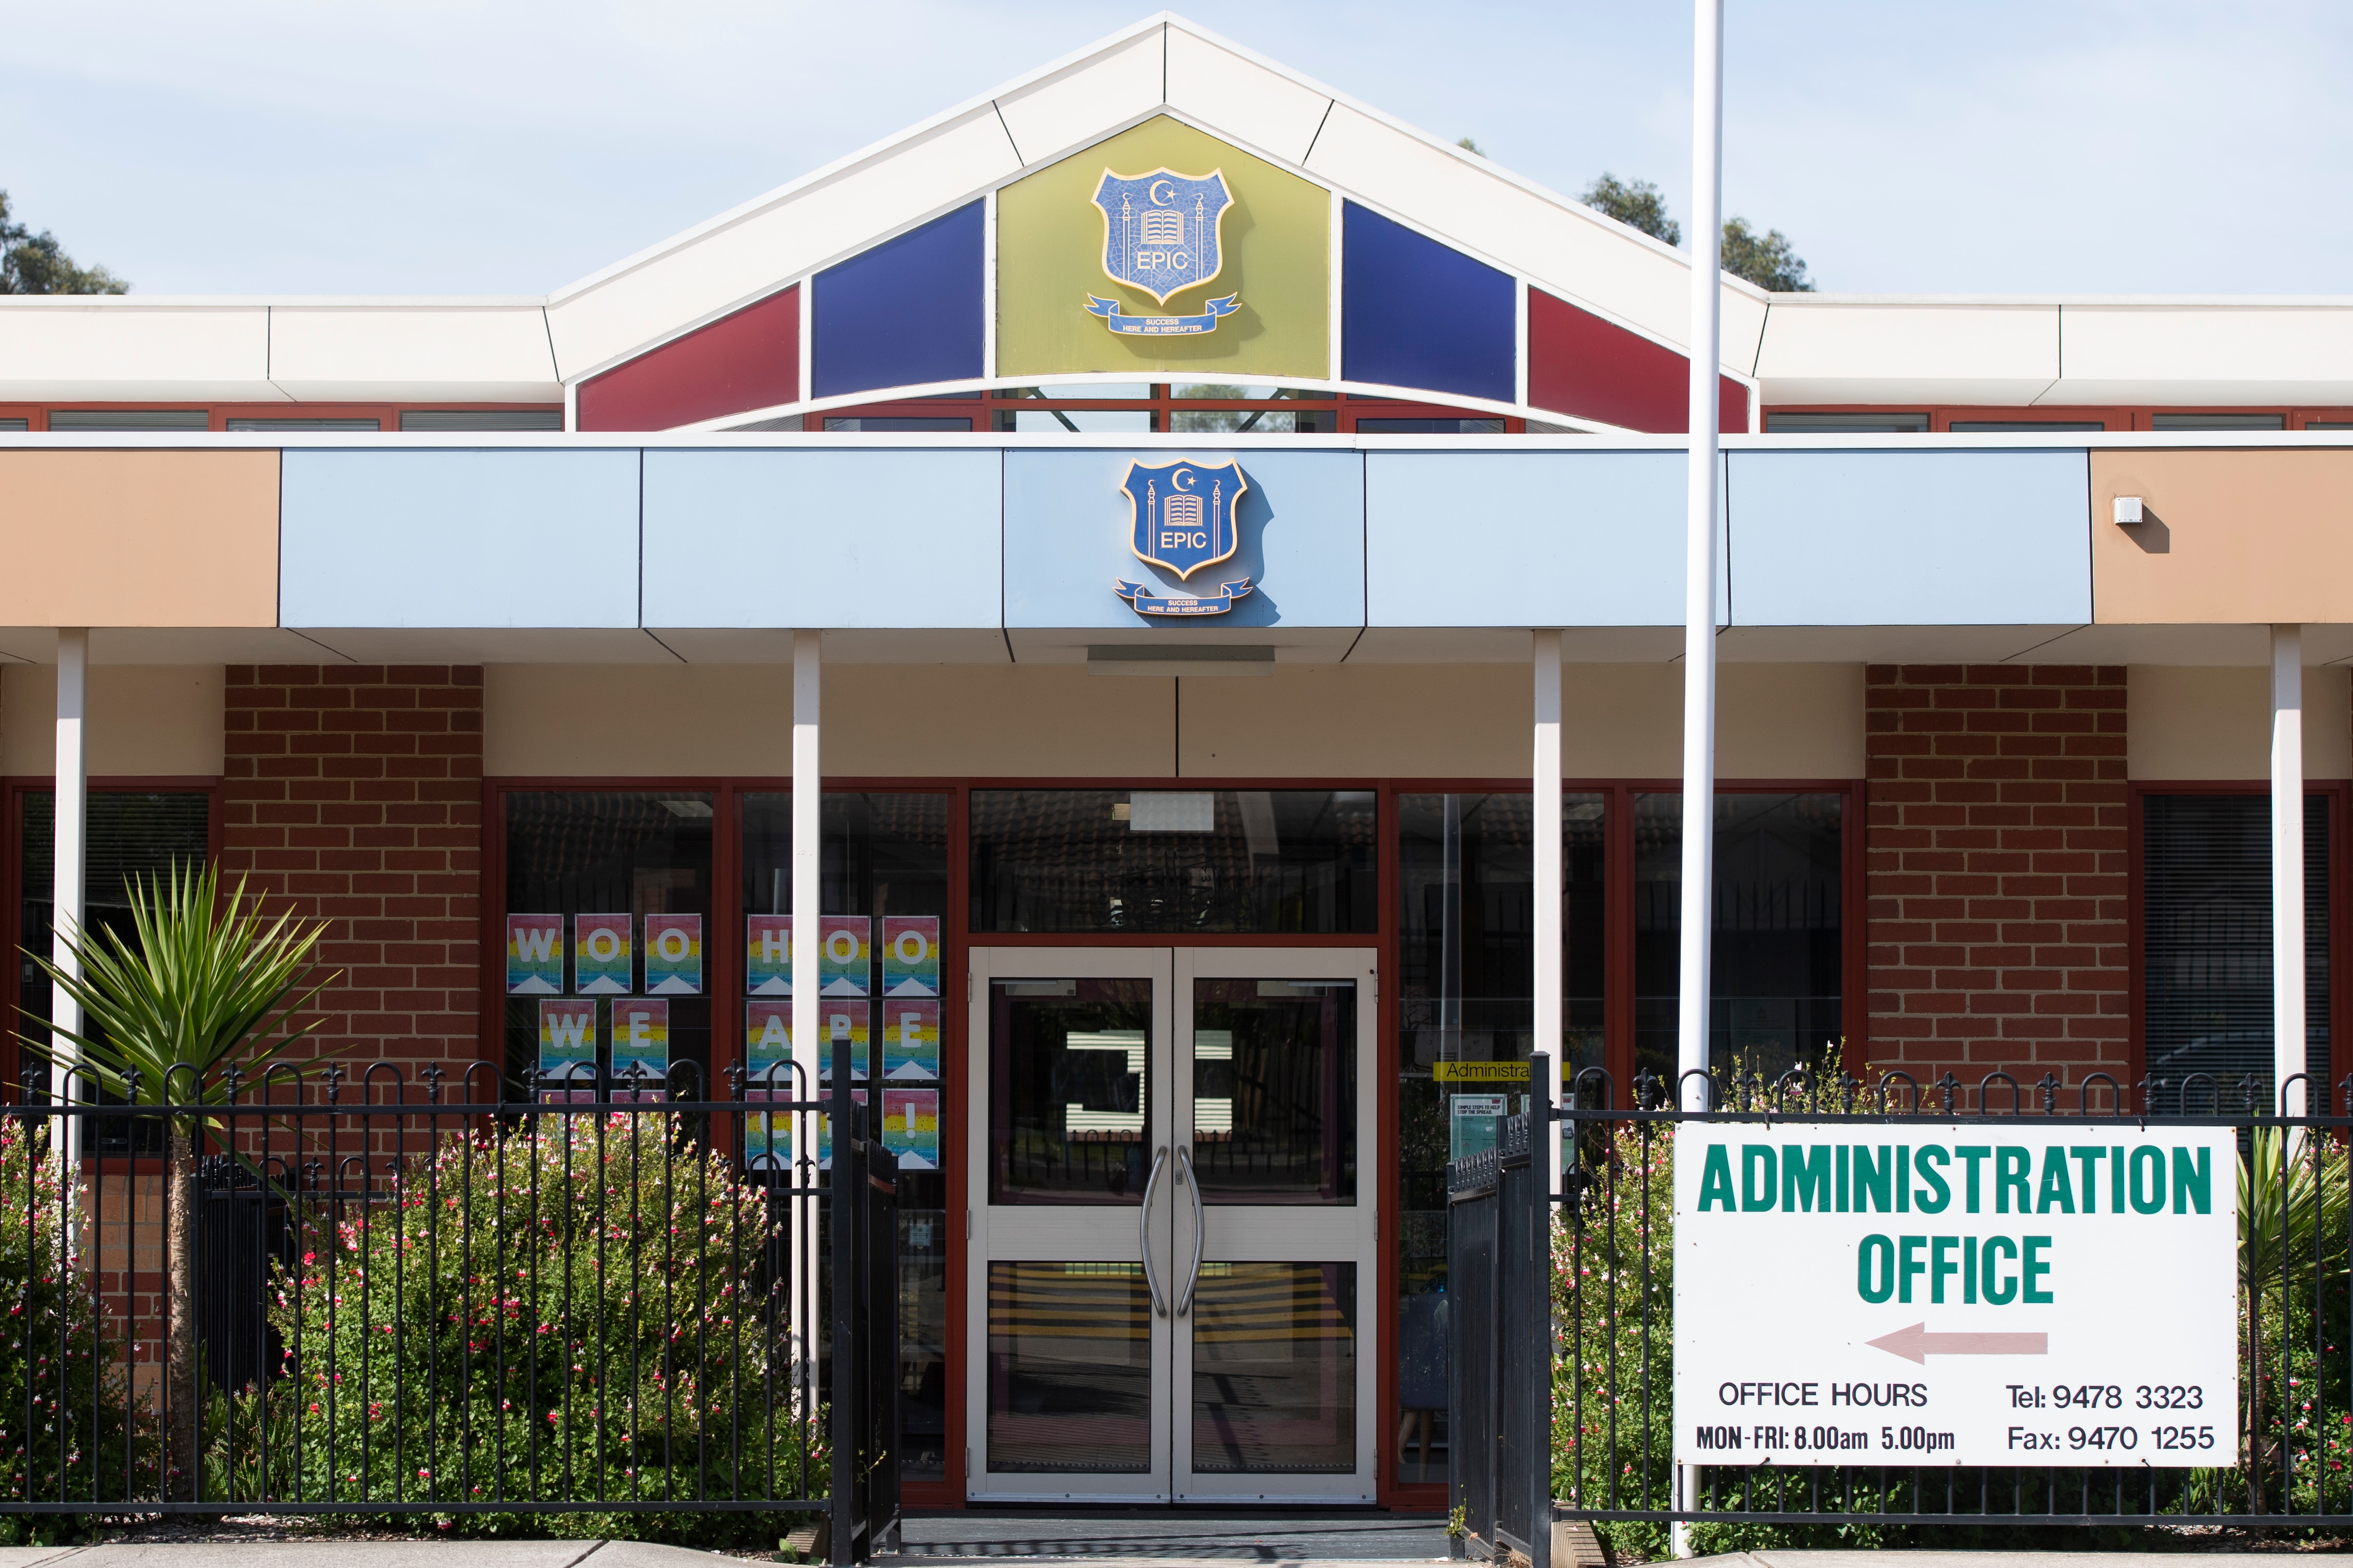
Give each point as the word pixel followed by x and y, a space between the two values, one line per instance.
pixel 1917 1344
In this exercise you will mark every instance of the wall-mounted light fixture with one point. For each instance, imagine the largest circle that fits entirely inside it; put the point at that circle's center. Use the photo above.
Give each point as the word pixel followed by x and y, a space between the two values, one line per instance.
pixel 2128 510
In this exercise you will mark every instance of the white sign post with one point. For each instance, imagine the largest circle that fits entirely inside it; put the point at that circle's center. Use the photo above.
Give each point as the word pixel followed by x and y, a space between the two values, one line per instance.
pixel 1967 1293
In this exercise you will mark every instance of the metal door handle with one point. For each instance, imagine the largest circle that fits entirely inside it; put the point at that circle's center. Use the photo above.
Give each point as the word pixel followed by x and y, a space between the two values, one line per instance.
pixel 1144 1233
pixel 1192 1184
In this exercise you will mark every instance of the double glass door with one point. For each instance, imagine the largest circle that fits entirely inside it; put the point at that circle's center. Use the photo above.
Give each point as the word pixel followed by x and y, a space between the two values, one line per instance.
pixel 1173 1227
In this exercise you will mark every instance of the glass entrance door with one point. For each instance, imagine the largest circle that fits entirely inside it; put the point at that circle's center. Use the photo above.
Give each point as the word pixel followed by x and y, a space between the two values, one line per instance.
pixel 1172 1264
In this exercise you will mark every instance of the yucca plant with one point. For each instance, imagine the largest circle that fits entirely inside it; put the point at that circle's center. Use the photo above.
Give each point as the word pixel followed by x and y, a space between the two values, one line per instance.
pixel 201 983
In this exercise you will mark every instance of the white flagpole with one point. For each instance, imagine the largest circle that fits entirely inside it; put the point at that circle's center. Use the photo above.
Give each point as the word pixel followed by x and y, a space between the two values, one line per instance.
pixel 1699 580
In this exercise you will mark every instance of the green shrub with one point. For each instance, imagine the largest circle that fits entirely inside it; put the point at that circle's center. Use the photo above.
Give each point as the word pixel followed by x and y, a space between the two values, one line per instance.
pixel 61 1359
pixel 577 1308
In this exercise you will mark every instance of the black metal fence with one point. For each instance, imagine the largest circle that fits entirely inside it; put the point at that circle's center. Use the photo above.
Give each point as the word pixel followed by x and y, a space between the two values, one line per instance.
pixel 1595 1328
pixel 372 1296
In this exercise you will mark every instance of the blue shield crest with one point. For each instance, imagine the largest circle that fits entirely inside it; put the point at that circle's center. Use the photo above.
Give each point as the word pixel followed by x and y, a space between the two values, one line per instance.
pixel 1183 514
pixel 1161 230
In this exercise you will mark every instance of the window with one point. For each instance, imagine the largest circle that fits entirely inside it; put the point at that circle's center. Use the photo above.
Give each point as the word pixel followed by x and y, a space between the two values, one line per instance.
pixel 595 864
pixel 1149 861
pixel 481 419
pixel 1465 1004
pixel 130 836
pixel 130 419
pixel 1775 984
pixel 883 853
pixel 1077 421
pixel 1866 422
pixel 895 422
pixel 2021 427
pixel 17 424
pixel 2218 422
pixel 1430 427
pixel 2206 949
pixel 283 426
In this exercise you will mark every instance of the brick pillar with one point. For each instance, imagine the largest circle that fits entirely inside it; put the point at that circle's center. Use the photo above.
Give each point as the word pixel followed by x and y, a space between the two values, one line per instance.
pixel 355 792
pixel 1996 843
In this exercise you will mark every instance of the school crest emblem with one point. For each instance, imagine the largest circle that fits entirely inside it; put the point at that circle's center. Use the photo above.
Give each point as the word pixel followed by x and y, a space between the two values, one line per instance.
pixel 1162 234
pixel 1181 521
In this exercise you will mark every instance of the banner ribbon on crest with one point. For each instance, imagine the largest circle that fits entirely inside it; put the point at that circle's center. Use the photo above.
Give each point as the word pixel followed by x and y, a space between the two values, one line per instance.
pixel 1162 326
pixel 1147 602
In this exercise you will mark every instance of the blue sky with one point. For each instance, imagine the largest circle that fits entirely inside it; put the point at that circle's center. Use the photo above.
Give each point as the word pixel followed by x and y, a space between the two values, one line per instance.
pixel 289 146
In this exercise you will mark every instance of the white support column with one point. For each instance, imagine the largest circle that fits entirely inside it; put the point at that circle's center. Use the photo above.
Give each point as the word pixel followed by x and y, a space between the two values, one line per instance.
pixel 1705 347
pixel 1548 831
pixel 809 800
pixel 2288 869
pixel 69 856
pixel 1699 543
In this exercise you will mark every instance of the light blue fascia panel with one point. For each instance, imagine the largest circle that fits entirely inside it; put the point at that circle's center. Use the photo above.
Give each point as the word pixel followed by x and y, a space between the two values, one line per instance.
pixel 1525 539
pixel 459 539
pixel 1068 531
pixel 1916 539
pixel 872 537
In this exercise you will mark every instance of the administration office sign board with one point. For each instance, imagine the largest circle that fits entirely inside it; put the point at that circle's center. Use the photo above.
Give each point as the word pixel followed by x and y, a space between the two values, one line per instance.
pixel 1986 1293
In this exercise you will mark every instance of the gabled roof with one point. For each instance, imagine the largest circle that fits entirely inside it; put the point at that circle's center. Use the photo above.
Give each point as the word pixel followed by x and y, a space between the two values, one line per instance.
pixel 1162 65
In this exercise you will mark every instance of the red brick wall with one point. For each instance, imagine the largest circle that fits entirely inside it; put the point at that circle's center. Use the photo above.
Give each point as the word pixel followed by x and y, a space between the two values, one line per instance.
pixel 1995 871
pixel 356 791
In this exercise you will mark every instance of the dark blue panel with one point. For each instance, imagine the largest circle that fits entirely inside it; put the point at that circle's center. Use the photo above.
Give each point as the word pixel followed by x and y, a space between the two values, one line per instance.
pixel 1415 313
pixel 905 312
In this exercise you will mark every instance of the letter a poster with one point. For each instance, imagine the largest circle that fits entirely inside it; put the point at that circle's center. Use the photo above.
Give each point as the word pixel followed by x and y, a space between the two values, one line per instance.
pixel 768 956
pixel 601 962
pixel 769 1046
pixel 535 955
pixel 674 955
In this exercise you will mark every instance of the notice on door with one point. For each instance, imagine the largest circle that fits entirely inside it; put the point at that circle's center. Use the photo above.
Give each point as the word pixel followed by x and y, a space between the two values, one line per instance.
pixel 1986 1293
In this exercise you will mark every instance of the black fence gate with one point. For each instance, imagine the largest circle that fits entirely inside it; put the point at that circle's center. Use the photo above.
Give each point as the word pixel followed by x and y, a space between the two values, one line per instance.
pixel 401 1301
pixel 1561 1396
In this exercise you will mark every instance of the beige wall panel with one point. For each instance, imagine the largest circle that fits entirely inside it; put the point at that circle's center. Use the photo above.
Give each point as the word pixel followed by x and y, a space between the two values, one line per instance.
pixel 145 721
pixel 139 539
pixel 1472 721
pixel 2234 536
pixel 1347 721
pixel 2188 722
pixel 945 720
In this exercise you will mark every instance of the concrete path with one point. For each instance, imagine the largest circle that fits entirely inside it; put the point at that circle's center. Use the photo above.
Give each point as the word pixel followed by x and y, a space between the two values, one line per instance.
pixel 1169 1537
pixel 366 1554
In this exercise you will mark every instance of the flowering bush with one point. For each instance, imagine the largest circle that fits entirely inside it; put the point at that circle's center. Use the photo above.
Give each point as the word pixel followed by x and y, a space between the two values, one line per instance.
pixel 576 1310
pixel 66 1432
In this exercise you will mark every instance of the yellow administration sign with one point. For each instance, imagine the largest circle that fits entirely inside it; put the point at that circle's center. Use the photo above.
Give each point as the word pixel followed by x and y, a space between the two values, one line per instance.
pixel 1479 1072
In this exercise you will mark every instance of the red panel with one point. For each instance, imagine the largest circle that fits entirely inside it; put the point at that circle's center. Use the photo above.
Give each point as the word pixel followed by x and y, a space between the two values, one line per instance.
pixel 1580 365
pixel 749 360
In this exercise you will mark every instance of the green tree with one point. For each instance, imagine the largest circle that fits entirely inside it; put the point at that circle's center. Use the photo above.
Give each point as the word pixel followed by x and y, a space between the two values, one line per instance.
pixel 1767 259
pixel 1636 204
pixel 199 986
pixel 37 264
pixel 1470 146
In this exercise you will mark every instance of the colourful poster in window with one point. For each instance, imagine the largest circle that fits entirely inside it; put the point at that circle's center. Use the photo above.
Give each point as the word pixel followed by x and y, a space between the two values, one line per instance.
pixel 674 955
pixel 844 967
pixel 768 1046
pixel 911 955
pixel 640 1041
pixel 910 1127
pixel 535 955
pixel 768 956
pixel 842 1025
pixel 911 1039
pixel 825 1132
pixel 601 962
pixel 567 1039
